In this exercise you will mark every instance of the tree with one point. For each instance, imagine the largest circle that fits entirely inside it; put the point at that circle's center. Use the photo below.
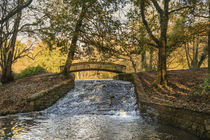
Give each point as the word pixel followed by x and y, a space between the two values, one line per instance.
pixel 81 22
pixel 49 59
pixel 134 42
pixel 138 37
pixel 193 59
pixel 11 14
pixel 131 42
pixel 161 41
pixel 75 36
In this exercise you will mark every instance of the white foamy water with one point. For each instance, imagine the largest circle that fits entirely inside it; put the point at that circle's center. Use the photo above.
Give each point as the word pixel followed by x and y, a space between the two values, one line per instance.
pixel 94 109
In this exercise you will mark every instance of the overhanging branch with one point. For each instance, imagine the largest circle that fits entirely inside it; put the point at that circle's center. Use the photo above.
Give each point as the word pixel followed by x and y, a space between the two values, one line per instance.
pixel 147 25
pixel 179 9
pixel 15 11
pixel 157 6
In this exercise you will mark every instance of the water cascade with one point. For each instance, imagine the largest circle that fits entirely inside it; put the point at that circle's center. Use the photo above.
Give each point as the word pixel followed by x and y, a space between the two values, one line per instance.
pixel 94 109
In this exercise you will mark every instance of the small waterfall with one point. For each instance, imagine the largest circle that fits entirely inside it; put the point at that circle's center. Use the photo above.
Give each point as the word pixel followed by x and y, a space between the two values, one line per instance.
pixel 99 97
pixel 94 109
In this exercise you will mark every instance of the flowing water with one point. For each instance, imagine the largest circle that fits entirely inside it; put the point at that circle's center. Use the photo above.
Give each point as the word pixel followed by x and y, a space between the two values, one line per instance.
pixel 94 109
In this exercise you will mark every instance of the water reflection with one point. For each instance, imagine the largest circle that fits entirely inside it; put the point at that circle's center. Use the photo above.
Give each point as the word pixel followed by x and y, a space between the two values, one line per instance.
pixel 86 113
pixel 95 127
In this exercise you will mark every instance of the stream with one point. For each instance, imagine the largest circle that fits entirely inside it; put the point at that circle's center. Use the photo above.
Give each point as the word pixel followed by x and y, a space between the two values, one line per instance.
pixel 95 110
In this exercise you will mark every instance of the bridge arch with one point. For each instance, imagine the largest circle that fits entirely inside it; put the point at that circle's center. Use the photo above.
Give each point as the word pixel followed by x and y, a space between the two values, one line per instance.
pixel 97 66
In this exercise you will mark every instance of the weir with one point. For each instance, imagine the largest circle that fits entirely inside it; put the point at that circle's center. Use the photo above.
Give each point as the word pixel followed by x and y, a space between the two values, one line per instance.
pixel 94 109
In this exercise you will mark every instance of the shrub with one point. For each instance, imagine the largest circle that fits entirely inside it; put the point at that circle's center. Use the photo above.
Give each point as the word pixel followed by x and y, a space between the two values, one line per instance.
pixel 30 71
pixel 204 88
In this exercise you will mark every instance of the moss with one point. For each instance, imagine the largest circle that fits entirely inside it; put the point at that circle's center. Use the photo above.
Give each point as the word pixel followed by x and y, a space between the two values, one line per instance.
pixel 208 134
pixel 202 131
pixel 207 125
pixel 157 114
pixel 194 127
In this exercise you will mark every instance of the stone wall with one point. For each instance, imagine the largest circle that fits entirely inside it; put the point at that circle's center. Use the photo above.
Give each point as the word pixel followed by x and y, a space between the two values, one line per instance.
pixel 194 122
pixel 47 98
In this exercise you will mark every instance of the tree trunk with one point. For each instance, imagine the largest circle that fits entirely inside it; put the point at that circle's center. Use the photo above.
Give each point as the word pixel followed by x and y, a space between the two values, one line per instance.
pixel 150 59
pixel 133 63
pixel 71 52
pixel 202 58
pixel 73 45
pixel 194 63
pixel 209 51
pixel 209 41
pixel 187 55
pixel 162 41
pixel 7 75
pixel 194 54
pixel 196 50
pixel 162 69
pixel 143 61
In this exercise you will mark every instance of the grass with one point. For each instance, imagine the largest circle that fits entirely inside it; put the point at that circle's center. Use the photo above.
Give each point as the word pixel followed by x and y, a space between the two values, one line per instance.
pixel 30 71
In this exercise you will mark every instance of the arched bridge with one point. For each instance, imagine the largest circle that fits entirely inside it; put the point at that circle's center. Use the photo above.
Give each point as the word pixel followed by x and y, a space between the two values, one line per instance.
pixel 97 66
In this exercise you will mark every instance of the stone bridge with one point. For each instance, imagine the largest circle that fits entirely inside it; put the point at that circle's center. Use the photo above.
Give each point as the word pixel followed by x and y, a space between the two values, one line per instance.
pixel 97 66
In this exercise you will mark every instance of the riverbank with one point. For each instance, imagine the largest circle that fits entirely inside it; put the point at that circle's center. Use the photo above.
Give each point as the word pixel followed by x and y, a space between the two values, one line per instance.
pixel 180 93
pixel 181 90
pixel 33 93
pixel 176 105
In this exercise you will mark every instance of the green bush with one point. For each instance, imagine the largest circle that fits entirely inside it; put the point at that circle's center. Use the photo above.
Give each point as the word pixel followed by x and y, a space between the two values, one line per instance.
pixel 204 88
pixel 30 71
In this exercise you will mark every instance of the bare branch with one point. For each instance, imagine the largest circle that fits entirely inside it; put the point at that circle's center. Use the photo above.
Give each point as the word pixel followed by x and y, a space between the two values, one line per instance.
pixel 153 45
pixel 179 9
pixel 15 11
